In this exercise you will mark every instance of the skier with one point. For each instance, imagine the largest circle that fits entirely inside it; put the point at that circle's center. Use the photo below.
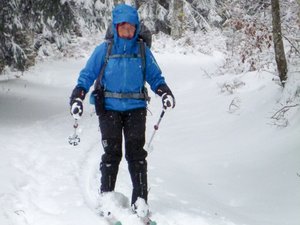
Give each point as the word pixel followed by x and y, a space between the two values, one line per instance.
pixel 121 102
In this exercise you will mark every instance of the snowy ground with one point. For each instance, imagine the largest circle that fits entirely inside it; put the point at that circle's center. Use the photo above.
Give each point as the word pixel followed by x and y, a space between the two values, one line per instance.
pixel 211 163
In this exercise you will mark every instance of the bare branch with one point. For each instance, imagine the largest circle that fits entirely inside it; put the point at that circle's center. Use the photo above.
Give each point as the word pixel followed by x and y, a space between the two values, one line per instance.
pixel 280 113
pixel 234 105
pixel 291 44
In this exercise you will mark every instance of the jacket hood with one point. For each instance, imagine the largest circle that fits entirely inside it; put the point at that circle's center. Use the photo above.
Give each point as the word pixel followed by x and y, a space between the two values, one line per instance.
pixel 125 13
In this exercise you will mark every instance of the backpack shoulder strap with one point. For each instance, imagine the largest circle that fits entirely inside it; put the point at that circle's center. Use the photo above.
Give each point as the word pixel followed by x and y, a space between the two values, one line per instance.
pixel 98 82
pixel 143 57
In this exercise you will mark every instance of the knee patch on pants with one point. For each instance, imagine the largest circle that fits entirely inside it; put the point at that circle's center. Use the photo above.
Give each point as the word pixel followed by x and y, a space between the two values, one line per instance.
pixel 112 151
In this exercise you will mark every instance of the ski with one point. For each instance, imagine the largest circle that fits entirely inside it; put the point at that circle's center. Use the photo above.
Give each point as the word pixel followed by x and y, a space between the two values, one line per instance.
pixel 110 219
pixel 145 221
pixel 118 203
pixel 114 222
pixel 148 221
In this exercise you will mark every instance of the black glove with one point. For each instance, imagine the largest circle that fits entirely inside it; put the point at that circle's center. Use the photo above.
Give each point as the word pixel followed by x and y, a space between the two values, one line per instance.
pixel 168 99
pixel 76 99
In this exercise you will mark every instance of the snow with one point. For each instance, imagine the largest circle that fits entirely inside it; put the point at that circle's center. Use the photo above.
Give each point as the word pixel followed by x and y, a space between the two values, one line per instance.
pixel 211 163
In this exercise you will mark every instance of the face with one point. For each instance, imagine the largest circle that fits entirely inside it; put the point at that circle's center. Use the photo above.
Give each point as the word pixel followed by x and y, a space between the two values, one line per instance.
pixel 126 30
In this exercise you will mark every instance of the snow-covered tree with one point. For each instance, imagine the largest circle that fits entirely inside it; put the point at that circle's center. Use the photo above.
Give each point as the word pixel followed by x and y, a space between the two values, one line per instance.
pixel 27 25
pixel 16 38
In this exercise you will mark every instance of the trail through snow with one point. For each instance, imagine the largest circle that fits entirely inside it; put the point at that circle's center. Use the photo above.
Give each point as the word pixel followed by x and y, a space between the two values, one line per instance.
pixel 210 164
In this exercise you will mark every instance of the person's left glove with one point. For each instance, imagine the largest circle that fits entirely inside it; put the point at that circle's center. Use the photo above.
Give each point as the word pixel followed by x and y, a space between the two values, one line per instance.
pixel 76 100
pixel 168 99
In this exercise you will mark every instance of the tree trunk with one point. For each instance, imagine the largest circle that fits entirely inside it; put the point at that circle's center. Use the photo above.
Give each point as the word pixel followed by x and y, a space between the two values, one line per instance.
pixel 278 43
pixel 299 5
pixel 177 18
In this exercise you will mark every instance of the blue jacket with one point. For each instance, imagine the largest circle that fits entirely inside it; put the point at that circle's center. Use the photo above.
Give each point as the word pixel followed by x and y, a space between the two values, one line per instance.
pixel 122 75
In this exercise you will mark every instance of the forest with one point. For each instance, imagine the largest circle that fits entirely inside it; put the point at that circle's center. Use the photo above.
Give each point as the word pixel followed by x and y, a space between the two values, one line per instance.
pixel 28 28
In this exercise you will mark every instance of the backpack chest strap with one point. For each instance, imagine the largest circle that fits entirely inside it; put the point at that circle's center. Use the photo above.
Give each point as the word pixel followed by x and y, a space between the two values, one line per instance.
pixel 114 56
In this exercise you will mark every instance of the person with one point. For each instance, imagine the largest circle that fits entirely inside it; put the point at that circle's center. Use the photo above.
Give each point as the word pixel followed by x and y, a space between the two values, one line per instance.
pixel 124 110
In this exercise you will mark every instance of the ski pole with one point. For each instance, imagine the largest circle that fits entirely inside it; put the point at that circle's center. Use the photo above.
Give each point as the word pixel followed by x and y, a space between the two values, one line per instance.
pixel 74 139
pixel 156 126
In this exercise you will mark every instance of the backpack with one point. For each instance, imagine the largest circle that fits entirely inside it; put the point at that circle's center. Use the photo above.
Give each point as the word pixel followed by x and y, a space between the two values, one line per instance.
pixel 98 95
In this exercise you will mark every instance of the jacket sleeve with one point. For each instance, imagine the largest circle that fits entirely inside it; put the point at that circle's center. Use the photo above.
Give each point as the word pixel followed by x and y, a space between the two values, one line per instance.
pixel 92 68
pixel 153 73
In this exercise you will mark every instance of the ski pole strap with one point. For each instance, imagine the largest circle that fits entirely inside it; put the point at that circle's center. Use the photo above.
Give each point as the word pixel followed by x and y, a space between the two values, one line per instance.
pixel 108 94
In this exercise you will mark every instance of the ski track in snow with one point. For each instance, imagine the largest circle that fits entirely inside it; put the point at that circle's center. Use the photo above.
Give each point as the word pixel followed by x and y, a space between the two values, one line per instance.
pixel 204 167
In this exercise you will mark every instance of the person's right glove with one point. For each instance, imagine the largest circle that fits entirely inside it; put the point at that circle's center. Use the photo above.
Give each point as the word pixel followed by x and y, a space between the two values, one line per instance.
pixel 168 99
pixel 76 100
pixel 77 108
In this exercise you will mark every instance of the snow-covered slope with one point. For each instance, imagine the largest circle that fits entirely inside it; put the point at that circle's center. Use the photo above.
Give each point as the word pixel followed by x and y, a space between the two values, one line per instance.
pixel 211 163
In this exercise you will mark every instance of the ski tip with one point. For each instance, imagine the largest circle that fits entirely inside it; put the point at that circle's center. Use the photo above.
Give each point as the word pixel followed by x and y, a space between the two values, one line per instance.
pixel 119 223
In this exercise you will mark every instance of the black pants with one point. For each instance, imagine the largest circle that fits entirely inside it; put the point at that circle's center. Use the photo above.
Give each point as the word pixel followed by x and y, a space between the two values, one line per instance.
pixel 133 124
